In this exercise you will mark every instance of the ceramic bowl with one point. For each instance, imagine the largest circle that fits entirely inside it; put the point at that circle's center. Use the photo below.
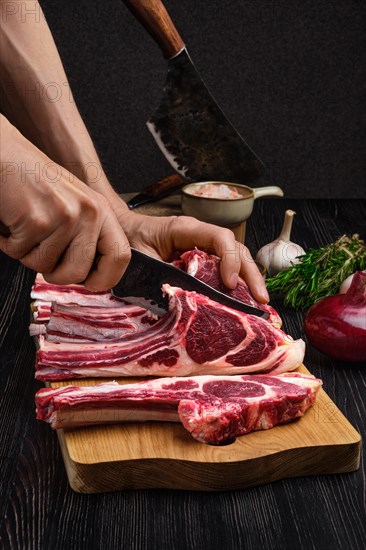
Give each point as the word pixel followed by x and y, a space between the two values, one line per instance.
pixel 224 212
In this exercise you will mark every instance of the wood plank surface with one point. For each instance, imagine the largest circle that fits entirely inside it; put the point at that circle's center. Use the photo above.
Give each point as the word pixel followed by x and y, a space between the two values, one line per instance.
pixel 164 455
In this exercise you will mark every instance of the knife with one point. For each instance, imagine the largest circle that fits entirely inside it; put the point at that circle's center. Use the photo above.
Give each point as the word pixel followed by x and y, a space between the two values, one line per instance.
pixel 189 127
pixel 145 276
pixel 157 191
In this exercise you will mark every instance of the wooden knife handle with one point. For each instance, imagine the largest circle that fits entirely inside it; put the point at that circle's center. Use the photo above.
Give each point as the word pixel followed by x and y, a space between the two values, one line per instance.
pixel 153 16
pixel 164 186
pixel 157 191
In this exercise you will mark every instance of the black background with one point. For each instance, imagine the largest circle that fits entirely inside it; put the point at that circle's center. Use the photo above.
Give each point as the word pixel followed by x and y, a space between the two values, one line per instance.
pixel 289 74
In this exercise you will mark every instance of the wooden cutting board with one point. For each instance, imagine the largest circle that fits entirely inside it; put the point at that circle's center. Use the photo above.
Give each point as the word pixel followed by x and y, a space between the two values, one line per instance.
pixel 164 455
pixel 158 455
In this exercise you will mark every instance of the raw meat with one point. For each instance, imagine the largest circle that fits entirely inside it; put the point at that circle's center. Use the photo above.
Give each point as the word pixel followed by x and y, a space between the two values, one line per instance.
pixel 41 311
pixel 72 294
pixel 36 329
pixel 206 267
pixel 213 409
pixel 86 323
pixel 196 336
pixel 70 312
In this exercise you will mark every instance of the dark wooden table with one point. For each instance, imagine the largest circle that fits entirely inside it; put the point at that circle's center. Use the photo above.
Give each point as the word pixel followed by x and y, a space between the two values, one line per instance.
pixel 39 510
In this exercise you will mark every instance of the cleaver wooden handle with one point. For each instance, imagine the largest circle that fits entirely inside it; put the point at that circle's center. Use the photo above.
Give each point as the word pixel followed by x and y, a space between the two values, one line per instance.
pixel 164 186
pixel 157 191
pixel 154 17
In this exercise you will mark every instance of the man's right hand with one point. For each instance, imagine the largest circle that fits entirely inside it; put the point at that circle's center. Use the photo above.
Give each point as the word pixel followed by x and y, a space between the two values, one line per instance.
pixel 57 224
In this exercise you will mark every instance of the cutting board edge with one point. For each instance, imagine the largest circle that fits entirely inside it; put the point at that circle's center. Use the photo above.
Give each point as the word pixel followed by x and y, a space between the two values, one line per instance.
pixel 213 476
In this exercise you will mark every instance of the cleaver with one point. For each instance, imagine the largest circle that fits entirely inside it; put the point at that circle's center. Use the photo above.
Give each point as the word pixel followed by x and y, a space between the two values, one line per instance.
pixel 145 276
pixel 189 127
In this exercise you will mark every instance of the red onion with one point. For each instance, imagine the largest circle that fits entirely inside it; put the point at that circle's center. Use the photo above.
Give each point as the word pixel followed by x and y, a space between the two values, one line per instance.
pixel 336 325
pixel 347 283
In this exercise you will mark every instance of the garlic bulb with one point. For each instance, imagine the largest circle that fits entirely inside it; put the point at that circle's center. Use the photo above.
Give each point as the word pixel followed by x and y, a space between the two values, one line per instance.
pixel 281 253
pixel 347 283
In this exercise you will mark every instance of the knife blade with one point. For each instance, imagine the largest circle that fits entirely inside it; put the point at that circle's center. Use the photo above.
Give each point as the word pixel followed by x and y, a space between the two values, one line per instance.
pixel 145 276
pixel 188 126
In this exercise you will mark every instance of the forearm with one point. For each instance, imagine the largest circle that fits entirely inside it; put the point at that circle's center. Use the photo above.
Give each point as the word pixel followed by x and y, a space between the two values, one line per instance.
pixel 36 96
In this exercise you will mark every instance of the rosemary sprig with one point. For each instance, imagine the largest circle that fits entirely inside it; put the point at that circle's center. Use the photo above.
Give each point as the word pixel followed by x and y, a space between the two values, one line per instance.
pixel 320 272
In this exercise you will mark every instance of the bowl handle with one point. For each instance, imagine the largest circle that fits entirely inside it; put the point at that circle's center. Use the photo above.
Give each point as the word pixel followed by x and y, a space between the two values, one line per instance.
pixel 270 190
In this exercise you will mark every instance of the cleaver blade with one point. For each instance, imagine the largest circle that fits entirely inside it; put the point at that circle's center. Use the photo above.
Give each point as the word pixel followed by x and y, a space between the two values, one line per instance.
pixel 189 127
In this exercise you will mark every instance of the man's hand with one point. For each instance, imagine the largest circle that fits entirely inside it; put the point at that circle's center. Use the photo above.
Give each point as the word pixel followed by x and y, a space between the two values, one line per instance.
pixel 161 236
pixel 69 218
pixel 56 227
